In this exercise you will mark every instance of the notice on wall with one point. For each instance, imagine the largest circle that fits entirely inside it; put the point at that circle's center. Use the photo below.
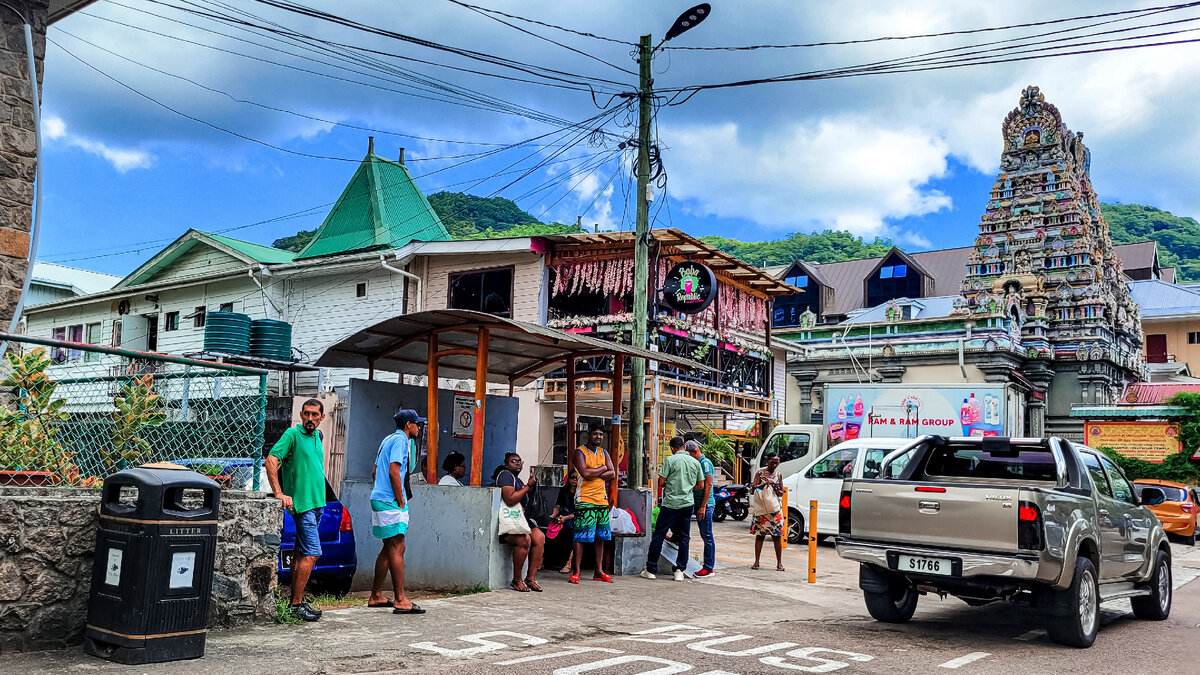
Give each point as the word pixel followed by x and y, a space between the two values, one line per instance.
pixel 112 571
pixel 464 414
pixel 183 567
pixel 1148 441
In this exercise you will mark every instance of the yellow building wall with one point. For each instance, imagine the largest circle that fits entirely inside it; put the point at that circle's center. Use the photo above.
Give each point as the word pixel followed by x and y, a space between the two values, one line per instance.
pixel 1177 344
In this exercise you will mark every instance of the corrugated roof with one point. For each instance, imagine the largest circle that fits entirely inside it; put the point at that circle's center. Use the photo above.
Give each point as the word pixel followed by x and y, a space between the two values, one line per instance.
pixel 381 208
pixel 518 352
pixel 81 281
pixel 1160 299
pixel 1155 393
pixel 263 254
pixel 1127 412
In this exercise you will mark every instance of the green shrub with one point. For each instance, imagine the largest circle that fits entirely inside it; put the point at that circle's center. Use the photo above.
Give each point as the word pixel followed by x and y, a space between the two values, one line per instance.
pixel 1175 467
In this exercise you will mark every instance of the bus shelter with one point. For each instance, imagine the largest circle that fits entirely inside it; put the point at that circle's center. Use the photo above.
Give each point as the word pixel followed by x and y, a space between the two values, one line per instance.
pixel 466 345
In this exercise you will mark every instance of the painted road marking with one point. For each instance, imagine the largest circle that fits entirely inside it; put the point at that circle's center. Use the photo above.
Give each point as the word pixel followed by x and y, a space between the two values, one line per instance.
pixel 819 664
pixel 668 667
pixel 964 660
pixel 563 652
pixel 485 645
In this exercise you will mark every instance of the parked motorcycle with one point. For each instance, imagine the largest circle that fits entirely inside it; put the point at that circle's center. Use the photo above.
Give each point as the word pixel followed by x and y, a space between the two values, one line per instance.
pixel 732 500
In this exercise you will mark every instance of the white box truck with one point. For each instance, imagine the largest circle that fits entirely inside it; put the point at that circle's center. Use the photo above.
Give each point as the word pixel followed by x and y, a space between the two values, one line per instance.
pixel 875 410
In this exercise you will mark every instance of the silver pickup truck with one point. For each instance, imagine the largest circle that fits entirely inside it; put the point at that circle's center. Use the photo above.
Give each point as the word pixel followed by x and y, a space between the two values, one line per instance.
pixel 1045 522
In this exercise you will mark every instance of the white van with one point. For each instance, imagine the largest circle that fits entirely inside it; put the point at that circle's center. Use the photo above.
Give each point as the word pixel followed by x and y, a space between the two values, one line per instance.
pixel 822 480
pixel 797 445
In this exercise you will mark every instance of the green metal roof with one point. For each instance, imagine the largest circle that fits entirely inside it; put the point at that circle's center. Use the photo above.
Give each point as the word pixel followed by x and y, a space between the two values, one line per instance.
pixel 1128 412
pixel 263 254
pixel 250 253
pixel 381 208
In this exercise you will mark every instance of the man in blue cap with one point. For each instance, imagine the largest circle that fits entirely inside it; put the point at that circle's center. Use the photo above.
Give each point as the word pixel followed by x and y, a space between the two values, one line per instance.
pixel 389 511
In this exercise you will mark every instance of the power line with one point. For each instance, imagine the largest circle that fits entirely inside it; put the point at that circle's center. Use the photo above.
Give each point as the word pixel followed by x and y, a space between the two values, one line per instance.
pixel 1030 24
pixel 497 19
pixel 550 25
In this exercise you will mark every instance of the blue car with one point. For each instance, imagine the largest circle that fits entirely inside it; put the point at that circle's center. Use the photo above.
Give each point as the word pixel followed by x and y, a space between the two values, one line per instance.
pixel 334 570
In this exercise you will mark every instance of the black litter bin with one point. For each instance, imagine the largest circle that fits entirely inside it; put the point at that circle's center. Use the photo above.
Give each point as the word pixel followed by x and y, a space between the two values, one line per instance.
pixel 153 573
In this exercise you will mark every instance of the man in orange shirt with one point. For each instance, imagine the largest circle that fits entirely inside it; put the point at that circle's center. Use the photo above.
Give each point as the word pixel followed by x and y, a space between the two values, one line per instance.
pixel 592 504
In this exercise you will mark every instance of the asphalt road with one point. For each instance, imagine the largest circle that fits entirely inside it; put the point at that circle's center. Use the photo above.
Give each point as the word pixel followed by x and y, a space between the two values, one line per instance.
pixel 738 621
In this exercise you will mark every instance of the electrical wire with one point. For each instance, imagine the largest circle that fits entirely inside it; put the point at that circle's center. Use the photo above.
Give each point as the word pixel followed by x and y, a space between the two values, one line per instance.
pixel 497 19
pixel 1030 24
pixel 549 25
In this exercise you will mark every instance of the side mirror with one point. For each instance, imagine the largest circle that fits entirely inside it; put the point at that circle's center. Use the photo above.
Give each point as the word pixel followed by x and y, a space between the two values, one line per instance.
pixel 1152 496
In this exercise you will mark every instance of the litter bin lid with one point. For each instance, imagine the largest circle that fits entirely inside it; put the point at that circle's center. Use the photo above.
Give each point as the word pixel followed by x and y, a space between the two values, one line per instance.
pixel 161 494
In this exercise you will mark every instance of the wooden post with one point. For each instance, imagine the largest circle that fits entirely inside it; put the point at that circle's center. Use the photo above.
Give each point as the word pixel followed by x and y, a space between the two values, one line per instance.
pixel 481 369
pixel 431 412
pixel 812 541
pixel 614 440
pixel 570 440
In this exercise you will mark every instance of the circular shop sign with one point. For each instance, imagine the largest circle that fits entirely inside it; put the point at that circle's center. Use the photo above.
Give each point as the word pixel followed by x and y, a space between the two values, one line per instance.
pixel 689 288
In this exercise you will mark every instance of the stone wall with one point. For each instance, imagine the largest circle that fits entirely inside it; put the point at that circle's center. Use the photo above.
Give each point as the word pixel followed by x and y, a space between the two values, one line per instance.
pixel 18 156
pixel 47 543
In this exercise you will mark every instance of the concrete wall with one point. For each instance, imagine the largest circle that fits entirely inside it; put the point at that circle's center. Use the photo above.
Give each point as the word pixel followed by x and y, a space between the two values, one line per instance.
pixel 527 280
pixel 942 374
pixel 47 549
pixel 452 539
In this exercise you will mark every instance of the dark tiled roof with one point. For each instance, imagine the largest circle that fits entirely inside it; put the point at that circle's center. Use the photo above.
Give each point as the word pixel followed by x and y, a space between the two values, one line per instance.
pixel 1136 256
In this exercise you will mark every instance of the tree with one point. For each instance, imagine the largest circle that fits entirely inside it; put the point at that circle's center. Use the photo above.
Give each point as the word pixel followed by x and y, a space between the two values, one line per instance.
pixel 296 242
pixel 1178 237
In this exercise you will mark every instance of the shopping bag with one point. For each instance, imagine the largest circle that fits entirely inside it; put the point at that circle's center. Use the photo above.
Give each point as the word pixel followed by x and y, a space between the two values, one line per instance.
pixel 512 519
pixel 765 502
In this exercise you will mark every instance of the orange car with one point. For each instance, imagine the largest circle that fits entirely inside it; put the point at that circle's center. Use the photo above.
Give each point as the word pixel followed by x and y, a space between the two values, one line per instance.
pixel 1178 512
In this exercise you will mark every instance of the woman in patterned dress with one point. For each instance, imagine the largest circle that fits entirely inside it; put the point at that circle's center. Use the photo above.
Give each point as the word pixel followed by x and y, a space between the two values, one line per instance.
pixel 771 524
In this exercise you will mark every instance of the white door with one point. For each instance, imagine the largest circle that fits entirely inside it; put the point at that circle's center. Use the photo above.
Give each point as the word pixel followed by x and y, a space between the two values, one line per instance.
pixel 825 485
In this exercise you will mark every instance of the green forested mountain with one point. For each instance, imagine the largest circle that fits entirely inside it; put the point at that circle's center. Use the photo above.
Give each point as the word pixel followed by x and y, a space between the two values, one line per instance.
pixel 825 247
pixel 1178 237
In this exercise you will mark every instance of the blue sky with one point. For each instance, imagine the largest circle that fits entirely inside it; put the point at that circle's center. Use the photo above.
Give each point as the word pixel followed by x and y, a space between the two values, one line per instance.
pixel 907 156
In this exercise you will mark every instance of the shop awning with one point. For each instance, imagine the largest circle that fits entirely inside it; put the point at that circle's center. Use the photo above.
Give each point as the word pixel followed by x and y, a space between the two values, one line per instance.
pixel 518 352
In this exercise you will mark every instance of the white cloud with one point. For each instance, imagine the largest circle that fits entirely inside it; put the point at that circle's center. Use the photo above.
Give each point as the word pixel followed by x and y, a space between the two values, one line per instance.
pixel 839 172
pixel 122 159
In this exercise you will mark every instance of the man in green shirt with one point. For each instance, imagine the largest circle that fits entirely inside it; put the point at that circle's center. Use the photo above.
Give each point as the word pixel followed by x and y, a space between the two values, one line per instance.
pixel 681 474
pixel 296 471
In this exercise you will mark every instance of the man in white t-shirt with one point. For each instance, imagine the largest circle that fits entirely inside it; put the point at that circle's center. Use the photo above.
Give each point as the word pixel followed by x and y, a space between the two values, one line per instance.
pixel 455 466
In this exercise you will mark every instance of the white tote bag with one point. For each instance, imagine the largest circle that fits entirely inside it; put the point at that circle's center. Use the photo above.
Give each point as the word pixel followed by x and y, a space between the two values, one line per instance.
pixel 765 502
pixel 512 519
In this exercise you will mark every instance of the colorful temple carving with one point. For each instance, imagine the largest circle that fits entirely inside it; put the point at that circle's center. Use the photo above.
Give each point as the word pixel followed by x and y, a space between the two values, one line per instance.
pixel 1043 258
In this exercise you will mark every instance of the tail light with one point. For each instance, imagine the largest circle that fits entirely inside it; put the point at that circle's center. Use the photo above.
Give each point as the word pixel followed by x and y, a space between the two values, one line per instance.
pixel 347 525
pixel 930 488
pixel 844 514
pixel 1187 508
pixel 1029 527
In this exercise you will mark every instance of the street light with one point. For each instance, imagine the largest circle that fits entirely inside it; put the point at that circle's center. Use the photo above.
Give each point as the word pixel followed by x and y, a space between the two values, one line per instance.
pixel 687 21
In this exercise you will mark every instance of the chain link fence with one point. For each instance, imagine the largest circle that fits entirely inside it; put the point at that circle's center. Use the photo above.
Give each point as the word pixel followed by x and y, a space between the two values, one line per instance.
pixel 71 414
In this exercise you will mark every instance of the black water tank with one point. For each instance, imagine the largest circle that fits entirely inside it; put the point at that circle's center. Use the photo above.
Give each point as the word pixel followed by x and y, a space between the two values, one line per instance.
pixel 153 572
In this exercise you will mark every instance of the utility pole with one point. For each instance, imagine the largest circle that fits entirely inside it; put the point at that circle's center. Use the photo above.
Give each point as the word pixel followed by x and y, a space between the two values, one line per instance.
pixel 641 268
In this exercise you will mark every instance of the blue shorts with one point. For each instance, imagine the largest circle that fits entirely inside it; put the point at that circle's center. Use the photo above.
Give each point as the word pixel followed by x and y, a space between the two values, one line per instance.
pixel 308 540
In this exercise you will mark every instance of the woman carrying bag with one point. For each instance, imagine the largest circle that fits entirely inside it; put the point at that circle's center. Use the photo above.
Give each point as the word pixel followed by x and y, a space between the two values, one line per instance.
pixel 517 529
pixel 766 505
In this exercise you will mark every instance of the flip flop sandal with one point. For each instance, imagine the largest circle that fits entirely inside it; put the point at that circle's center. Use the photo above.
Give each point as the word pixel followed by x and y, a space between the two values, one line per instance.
pixel 513 585
pixel 380 605
pixel 415 609
pixel 532 585
pixel 603 577
pixel 574 579
pixel 780 568
pixel 754 566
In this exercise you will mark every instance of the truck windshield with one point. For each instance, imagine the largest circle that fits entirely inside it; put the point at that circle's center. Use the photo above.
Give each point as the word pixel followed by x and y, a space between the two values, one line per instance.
pixel 787 446
pixel 975 462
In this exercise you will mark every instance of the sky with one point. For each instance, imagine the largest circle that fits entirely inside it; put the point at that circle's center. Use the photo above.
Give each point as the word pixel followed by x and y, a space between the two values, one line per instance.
pixel 156 120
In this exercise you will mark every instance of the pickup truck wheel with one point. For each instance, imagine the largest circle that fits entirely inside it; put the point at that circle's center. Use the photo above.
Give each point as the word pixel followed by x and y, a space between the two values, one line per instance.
pixel 1157 605
pixel 797 533
pixel 1078 618
pixel 897 605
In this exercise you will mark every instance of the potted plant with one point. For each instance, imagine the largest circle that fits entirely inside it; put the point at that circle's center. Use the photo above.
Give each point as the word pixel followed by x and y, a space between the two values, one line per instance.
pixel 216 472
pixel 30 453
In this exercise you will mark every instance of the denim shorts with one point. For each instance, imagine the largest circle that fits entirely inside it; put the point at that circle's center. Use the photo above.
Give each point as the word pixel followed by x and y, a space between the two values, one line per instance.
pixel 308 540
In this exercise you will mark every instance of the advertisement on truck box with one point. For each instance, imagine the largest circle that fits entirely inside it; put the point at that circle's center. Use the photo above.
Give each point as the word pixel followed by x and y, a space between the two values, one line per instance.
pixel 907 411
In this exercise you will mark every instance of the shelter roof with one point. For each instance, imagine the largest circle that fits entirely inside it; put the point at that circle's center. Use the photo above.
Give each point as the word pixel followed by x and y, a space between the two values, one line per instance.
pixel 518 352
pixel 676 244
pixel 61 9
pixel 1130 412
pixel 380 208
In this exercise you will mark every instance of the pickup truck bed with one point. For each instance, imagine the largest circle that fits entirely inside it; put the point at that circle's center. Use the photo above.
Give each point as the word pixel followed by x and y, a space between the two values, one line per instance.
pixel 1040 521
